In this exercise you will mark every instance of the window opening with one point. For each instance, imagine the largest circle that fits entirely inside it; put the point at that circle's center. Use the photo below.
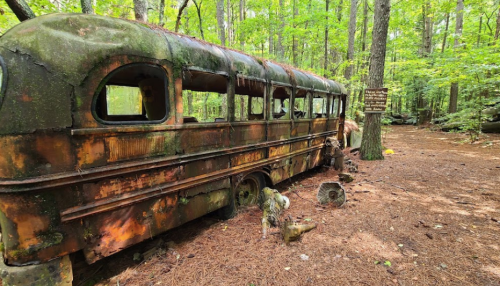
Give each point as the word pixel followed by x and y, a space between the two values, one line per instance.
pixel 204 97
pixel 319 106
pixel 334 111
pixel 134 93
pixel 301 104
pixel 281 103
pixel 249 99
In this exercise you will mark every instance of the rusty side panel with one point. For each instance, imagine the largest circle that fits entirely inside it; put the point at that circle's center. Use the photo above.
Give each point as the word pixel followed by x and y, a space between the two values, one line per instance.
pixel 121 228
pixel 247 157
pixel 299 164
pixel 333 124
pixel 316 158
pixel 278 130
pixel 299 145
pixel 318 125
pixel 280 171
pixel 35 155
pixel 279 150
pixel 202 139
pixel 128 147
pixel 300 128
pixel 248 134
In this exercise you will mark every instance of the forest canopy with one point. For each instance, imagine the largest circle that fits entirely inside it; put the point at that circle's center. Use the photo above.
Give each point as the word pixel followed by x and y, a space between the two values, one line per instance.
pixel 442 56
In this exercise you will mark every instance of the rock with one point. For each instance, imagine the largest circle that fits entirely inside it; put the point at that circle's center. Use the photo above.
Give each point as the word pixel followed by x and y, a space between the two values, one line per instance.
pixel 346 177
pixel 304 257
pixel 137 257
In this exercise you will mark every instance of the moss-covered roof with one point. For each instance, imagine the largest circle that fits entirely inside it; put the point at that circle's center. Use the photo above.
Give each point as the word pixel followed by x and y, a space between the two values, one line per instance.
pixel 70 45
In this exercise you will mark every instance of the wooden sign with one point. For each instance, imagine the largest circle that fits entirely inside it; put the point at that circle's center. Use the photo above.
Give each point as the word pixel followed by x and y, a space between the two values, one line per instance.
pixel 375 100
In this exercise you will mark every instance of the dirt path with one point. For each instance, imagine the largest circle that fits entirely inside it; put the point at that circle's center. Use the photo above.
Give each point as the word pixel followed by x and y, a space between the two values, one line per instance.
pixel 429 210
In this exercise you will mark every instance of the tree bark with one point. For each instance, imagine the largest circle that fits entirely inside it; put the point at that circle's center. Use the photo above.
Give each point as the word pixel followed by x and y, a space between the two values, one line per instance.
pixel 198 11
pixel 141 10
pixel 281 50
pixel 497 32
pixel 161 13
pixel 480 30
pixel 294 42
pixel 271 30
pixel 452 107
pixel 371 144
pixel 21 9
pixel 177 23
pixel 423 105
pixel 242 17
pixel 339 10
pixel 445 31
pixel 229 23
pixel 87 7
pixel 325 66
pixel 220 22
pixel 350 47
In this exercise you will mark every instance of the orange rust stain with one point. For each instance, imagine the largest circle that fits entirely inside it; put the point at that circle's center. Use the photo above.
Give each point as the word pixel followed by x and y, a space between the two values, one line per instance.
pixel 90 151
pixel 279 150
pixel 12 160
pixel 119 232
pixel 129 148
pixel 27 227
pixel 162 210
pixel 26 98
pixel 56 150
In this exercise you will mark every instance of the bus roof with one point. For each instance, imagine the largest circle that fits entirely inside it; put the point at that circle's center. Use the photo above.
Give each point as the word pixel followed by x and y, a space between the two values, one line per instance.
pixel 71 45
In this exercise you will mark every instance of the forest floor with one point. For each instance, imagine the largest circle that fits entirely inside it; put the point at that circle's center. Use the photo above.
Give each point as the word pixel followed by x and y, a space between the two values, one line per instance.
pixel 426 215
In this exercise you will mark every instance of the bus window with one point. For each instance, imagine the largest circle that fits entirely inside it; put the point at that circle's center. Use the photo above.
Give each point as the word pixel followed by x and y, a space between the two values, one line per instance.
pixel 249 100
pixel 301 105
pixel 334 111
pixel 204 97
pixel 281 103
pixel 133 94
pixel 319 105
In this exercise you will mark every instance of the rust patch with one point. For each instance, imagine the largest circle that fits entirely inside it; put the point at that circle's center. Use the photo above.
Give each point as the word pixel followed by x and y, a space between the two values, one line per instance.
pixel 91 153
pixel 248 134
pixel 247 157
pixel 279 150
pixel 12 160
pixel 296 146
pixel 125 148
pixel 26 98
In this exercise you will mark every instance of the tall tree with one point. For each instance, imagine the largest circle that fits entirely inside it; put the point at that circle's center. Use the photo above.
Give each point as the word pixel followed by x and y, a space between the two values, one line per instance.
pixel 242 17
pixel 325 66
pixel 350 46
pixel 161 12
pixel 21 9
pixel 141 10
pixel 422 103
pixel 497 32
pixel 87 7
pixel 445 32
pixel 198 11
pixel 229 23
pixel 371 143
pixel 452 107
pixel 280 48
pixel 183 6
pixel 220 22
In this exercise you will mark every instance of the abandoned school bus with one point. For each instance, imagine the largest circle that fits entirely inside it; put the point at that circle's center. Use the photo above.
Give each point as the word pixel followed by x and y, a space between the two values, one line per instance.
pixel 101 148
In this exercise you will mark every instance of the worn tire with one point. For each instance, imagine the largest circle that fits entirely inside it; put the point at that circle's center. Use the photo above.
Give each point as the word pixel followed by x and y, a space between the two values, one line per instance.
pixel 248 192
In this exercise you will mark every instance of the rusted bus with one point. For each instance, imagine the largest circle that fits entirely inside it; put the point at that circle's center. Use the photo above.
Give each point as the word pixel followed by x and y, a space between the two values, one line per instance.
pixel 102 148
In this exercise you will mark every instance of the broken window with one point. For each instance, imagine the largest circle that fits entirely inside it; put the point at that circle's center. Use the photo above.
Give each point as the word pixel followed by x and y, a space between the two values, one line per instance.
pixel 334 111
pixel 204 97
pixel 134 93
pixel 249 99
pixel 281 103
pixel 301 104
pixel 319 105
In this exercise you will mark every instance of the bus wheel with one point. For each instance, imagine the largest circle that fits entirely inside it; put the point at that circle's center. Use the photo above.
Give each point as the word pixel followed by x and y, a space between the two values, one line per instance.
pixel 247 193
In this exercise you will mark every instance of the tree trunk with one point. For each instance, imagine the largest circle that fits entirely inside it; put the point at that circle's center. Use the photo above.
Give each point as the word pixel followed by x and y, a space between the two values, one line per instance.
pixel 229 23
pixel 294 42
pixel 190 102
pixel 480 30
pixel 452 107
pixel 339 10
pixel 161 13
pixel 21 9
pixel 198 11
pixel 350 47
pixel 281 50
pixel 87 7
pixel 423 105
pixel 141 10
pixel 497 32
pixel 325 66
pixel 271 30
pixel 177 23
pixel 220 22
pixel 363 47
pixel 445 32
pixel 371 144
pixel 242 33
